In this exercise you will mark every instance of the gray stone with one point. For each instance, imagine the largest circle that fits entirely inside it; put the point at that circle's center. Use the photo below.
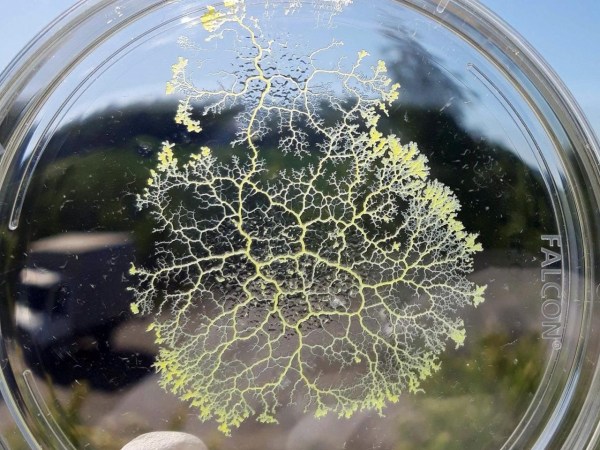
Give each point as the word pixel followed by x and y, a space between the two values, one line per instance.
pixel 166 440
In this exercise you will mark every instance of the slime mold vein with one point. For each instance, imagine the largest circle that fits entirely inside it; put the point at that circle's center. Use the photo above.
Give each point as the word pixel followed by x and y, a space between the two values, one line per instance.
pixel 335 286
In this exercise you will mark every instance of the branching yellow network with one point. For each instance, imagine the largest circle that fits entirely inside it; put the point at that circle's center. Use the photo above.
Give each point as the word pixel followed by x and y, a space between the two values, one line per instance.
pixel 335 286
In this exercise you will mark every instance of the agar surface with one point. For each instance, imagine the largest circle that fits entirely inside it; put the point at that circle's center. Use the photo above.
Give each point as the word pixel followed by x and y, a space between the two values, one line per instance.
pixel 334 286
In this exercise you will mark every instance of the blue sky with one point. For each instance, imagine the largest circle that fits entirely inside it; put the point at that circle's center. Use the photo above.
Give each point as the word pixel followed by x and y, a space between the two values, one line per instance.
pixel 565 33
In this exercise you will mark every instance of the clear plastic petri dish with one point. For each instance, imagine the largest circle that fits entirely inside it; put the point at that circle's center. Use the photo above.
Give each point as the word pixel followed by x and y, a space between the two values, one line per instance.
pixel 295 225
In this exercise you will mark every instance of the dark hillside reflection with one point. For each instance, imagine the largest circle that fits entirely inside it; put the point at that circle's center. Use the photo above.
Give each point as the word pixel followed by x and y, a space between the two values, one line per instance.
pixel 501 195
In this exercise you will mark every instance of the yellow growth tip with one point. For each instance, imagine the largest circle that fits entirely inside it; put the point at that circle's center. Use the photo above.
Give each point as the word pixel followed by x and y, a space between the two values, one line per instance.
pixel 179 67
pixel 211 19
pixel 458 336
pixel 478 295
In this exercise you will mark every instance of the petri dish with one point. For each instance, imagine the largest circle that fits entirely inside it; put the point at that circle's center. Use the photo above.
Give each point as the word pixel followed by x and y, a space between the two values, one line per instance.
pixel 295 225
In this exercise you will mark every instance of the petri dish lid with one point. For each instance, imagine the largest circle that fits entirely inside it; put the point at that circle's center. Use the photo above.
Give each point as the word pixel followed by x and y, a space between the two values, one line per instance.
pixel 293 225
